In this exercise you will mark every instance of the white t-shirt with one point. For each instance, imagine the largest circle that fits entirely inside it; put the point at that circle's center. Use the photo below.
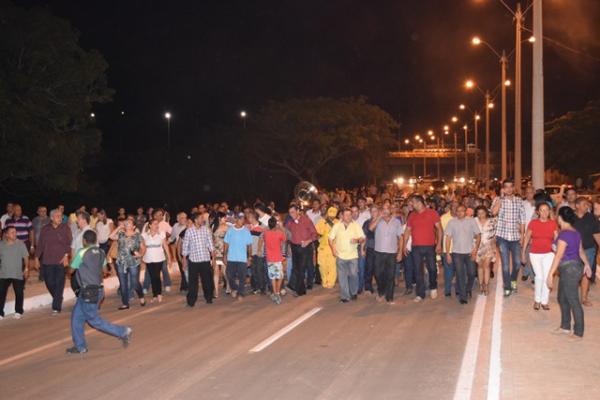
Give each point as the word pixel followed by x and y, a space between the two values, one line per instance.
pixel 154 250
pixel 363 216
pixel 315 217
pixel 77 243
pixel 529 211
pixel 264 220
pixel 103 230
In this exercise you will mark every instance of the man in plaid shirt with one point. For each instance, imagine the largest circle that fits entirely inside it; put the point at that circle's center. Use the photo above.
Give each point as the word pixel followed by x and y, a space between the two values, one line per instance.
pixel 509 233
pixel 197 250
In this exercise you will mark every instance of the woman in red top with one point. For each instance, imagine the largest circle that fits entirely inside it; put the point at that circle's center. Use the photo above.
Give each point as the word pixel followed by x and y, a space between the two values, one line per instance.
pixel 541 232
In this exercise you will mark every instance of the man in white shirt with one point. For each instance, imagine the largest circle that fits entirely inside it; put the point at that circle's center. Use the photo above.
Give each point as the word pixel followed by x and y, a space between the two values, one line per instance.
pixel 83 224
pixel 314 214
pixel 7 215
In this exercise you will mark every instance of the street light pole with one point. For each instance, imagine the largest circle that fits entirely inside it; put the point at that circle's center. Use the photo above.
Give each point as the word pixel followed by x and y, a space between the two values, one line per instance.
pixel 168 118
pixel 466 128
pixel 518 165
pixel 455 155
pixel 537 128
pixel 475 121
pixel 503 62
pixel 487 139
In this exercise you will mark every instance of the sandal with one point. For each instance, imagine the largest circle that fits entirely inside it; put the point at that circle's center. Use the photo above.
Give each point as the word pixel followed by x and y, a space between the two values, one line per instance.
pixel 536 306
pixel 545 307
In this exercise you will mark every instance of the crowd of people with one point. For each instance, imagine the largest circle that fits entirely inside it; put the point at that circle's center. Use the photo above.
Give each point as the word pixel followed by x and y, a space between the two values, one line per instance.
pixel 364 241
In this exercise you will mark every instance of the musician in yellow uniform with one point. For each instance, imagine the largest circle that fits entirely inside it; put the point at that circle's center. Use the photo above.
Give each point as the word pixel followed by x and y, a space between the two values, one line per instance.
pixel 326 259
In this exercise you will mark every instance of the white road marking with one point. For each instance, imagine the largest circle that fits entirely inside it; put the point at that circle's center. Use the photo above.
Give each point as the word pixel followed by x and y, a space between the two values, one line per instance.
pixel 464 385
pixel 283 331
pixel 495 347
pixel 68 339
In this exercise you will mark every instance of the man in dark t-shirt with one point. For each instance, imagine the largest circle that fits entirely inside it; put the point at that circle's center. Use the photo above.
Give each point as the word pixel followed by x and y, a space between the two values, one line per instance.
pixel 88 265
pixel 588 227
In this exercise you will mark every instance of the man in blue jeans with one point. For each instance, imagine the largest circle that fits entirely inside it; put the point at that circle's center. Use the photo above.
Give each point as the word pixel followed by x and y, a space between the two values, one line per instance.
pixel 237 252
pixel 424 228
pixel 588 227
pixel 88 265
pixel 509 233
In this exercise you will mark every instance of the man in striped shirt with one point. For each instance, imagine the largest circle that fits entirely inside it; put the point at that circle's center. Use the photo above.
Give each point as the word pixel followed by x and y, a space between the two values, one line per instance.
pixel 23 225
pixel 197 251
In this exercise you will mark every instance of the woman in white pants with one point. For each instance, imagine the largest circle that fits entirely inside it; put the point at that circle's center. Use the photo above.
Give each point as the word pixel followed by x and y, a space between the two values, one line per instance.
pixel 541 233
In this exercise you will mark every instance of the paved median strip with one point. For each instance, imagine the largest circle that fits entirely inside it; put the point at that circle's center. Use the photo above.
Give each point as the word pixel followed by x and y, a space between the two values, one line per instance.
pixel 464 387
pixel 284 331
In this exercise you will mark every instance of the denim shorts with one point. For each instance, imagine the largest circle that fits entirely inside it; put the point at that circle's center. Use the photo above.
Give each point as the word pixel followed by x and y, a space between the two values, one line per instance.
pixel 275 270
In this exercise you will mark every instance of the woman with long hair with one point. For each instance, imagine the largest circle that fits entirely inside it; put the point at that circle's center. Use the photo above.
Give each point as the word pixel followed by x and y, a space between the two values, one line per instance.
pixel 130 248
pixel 487 247
pixel 541 232
pixel 571 262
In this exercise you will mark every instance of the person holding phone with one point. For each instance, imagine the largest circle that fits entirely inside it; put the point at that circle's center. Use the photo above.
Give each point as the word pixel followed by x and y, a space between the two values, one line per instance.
pixel 129 253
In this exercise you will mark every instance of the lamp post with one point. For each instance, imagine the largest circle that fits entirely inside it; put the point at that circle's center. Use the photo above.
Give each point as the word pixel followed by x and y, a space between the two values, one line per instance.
pixel 466 128
pixel 168 118
pixel 243 116
pixel 455 120
pixel 476 119
pixel 537 112
pixel 476 41
pixel 469 84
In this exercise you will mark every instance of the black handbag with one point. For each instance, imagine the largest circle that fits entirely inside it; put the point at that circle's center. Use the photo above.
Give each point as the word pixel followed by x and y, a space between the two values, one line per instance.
pixel 90 293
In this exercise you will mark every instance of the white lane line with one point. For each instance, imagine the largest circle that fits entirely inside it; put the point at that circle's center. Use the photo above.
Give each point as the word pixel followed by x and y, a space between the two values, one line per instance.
pixel 283 331
pixel 495 348
pixel 464 385
pixel 88 331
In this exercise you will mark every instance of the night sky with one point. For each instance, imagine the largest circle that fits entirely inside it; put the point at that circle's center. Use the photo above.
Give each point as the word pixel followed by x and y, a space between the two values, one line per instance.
pixel 204 61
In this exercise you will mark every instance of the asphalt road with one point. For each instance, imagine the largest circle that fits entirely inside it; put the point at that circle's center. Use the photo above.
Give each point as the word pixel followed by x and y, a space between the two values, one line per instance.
pixel 358 350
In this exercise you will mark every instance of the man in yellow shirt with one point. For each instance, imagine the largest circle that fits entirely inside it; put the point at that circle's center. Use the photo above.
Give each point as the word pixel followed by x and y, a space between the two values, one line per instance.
pixel 344 239
pixel 326 260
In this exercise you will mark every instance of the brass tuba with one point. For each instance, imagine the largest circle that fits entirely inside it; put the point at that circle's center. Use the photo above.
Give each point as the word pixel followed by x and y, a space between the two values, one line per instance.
pixel 304 193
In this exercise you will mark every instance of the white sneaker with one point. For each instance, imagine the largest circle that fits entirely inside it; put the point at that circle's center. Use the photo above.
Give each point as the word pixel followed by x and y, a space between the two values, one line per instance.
pixel 18 316
pixel 433 293
pixel 418 299
pixel 145 291
pixel 1 317
pixel 167 289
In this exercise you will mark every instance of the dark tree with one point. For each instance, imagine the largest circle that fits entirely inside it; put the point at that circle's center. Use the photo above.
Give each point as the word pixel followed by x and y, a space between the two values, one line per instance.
pixel 48 85
pixel 303 136
pixel 572 141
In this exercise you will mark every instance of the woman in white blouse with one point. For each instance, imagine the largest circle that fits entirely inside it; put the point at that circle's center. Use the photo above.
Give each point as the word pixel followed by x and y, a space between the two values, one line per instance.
pixel 156 252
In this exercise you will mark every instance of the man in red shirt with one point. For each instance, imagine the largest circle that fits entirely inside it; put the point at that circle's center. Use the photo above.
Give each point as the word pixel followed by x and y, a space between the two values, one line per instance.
pixel 271 241
pixel 425 229
pixel 303 234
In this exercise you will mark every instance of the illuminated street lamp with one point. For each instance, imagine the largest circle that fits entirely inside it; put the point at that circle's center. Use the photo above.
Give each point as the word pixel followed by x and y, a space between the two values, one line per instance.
pixel 92 115
pixel 454 119
pixel 243 116
pixel 168 118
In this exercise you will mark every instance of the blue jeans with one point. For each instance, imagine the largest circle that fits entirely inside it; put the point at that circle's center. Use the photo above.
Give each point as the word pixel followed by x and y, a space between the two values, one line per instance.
pixel 88 312
pixel 424 255
pixel 591 256
pixel 449 272
pixel 129 280
pixel 465 273
pixel 409 271
pixel 165 276
pixel 362 261
pixel 508 247
pixel 236 270
pixel 347 271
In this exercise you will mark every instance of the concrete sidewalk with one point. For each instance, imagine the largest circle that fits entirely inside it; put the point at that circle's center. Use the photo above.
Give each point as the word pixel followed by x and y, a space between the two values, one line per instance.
pixel 36 294
pixel 537 364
